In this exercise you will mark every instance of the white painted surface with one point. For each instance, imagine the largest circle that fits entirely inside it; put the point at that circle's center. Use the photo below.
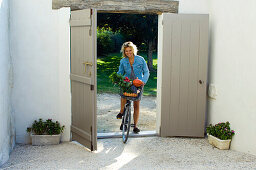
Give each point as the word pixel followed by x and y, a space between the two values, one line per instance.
pixel 194 6
pixel 233 69
pixel 232 66
pixel 159 73
pixel 40 50
pixel 6 119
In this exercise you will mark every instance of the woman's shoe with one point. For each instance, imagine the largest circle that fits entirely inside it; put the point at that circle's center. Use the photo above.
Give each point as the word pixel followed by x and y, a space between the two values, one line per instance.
pixel 119 116
pixel 136 130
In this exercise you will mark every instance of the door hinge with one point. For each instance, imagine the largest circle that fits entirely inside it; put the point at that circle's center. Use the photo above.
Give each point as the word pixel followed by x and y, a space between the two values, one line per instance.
pixel 162 22
pixel 91 140
pixel 92 87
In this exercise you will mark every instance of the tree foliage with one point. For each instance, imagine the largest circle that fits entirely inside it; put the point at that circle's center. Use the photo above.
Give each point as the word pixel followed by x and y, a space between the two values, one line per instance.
pixel 141 29
pixel 108 41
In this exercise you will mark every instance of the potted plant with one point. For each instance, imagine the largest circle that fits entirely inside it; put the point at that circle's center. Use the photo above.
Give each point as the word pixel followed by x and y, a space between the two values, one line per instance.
pixel 45 132
pixel 220 135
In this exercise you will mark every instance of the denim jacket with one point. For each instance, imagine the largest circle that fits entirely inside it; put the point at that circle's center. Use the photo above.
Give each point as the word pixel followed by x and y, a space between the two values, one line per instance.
pixel 140 68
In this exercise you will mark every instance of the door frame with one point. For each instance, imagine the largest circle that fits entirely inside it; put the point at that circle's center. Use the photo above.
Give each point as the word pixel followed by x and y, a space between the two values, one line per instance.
pixel 159 73
pixel 173 9
pixel 158 113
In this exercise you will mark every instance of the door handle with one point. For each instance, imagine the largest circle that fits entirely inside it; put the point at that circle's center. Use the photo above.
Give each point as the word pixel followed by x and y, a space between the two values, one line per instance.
pixel 86 63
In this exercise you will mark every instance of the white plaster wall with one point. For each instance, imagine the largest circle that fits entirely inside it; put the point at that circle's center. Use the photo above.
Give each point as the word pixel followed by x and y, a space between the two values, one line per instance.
pixel 232 66
pixel 194 6
pixel 40 50
pixel 233 61
pixel 7 138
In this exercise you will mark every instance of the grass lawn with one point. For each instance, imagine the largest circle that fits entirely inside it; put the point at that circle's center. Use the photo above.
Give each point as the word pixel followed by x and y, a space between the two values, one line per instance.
pixel 108 64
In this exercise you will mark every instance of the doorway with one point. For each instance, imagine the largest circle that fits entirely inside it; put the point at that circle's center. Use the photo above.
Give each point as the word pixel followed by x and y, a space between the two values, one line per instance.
pixel 113 29
pixel 182 68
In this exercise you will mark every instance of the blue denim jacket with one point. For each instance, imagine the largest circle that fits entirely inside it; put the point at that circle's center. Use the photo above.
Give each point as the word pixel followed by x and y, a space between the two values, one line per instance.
pixel 140 68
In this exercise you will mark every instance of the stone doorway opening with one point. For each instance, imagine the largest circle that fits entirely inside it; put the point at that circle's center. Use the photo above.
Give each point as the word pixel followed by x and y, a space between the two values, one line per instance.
pixel 144 7
pixel 108 99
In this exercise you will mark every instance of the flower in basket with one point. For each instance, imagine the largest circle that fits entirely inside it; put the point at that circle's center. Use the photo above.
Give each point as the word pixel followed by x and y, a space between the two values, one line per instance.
pixel 221 130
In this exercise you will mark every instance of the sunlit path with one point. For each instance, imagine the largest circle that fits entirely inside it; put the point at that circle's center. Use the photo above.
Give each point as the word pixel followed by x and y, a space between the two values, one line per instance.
pixel 138 153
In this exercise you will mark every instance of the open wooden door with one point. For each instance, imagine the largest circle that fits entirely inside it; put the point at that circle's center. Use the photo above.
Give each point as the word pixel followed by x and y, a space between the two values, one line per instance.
pixel 183 44
pixel 83 77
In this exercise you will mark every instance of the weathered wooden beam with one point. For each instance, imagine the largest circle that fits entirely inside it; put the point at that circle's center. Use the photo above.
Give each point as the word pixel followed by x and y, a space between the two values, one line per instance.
pixel 120 6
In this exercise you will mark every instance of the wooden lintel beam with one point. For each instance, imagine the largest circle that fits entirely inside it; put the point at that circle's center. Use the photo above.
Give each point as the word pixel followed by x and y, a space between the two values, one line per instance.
pixel 121 6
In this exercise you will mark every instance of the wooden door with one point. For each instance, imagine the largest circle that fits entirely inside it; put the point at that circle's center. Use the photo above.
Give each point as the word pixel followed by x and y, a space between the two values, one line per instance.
pixel 83 77
pixel 184 56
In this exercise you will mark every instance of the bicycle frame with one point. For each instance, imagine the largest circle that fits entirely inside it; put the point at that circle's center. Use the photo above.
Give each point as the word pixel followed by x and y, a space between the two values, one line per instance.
pixel 126 121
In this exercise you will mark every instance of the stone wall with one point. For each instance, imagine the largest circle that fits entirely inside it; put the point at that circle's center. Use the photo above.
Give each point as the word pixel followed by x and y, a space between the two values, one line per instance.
pixel 131 6
pixel 7 139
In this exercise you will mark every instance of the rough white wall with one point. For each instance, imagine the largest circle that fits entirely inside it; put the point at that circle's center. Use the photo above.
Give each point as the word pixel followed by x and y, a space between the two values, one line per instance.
pixel 194 6
pixel 233 61
pixel 40 50
pixel 232 66
pixel 7 138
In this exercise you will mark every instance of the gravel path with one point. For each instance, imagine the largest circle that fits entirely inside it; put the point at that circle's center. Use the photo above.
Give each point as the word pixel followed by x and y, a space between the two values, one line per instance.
pixel 108 106
pixel 138 153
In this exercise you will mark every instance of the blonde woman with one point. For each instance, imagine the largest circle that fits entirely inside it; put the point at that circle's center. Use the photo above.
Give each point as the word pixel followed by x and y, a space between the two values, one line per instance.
pixel 132 66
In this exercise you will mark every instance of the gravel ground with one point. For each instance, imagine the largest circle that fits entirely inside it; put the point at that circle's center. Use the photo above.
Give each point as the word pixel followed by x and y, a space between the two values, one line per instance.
pixel 108 106
pixel 138 153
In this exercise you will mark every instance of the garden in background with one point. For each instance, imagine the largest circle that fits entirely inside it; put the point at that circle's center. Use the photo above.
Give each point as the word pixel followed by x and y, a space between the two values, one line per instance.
pixel 109 64
pixel 115 29
pixel 112 31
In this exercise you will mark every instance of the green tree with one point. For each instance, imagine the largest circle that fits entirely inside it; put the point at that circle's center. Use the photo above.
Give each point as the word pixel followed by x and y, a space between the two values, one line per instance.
pixel 141 29
pixel 108 41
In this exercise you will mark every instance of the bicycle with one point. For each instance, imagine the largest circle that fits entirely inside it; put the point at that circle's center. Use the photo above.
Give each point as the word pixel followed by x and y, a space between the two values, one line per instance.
pixel 126 120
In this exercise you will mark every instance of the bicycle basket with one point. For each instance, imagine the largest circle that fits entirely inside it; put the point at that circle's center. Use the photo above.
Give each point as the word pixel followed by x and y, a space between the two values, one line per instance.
pixel 132 96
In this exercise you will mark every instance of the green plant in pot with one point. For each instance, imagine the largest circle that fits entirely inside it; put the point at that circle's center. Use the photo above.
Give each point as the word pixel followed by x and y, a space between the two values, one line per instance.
pixel 220 135
pixel 45 132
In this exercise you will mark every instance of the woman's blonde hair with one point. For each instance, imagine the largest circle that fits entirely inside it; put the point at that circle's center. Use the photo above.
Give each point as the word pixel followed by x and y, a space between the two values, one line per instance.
pixel 131 45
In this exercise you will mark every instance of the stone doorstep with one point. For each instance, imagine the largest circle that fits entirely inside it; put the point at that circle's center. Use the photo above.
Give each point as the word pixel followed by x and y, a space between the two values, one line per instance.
pixel 131 134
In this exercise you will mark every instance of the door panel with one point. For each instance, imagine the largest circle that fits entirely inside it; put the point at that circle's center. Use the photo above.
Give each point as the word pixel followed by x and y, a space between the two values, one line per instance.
pixel 83 77
pixel 184 60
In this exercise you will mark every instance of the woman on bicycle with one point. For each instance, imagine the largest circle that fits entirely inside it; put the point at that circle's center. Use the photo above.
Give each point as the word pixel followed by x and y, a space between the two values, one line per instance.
pixel 132 66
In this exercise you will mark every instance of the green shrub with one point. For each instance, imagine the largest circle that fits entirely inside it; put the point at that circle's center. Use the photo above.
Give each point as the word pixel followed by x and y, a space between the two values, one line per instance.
pixel 47 127
pixel 118 40
pixel 220 130
pixel 108 41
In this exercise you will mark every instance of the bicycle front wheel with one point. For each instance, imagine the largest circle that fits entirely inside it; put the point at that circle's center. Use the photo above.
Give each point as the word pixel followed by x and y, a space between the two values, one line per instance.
pixel 126 124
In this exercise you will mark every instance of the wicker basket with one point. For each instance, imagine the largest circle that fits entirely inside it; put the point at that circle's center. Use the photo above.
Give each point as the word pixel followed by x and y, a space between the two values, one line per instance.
pixel 132 96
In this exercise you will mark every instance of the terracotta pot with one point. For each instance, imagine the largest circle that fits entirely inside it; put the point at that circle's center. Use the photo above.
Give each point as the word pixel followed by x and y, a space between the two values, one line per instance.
pixel 221 144
pixel 45 139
